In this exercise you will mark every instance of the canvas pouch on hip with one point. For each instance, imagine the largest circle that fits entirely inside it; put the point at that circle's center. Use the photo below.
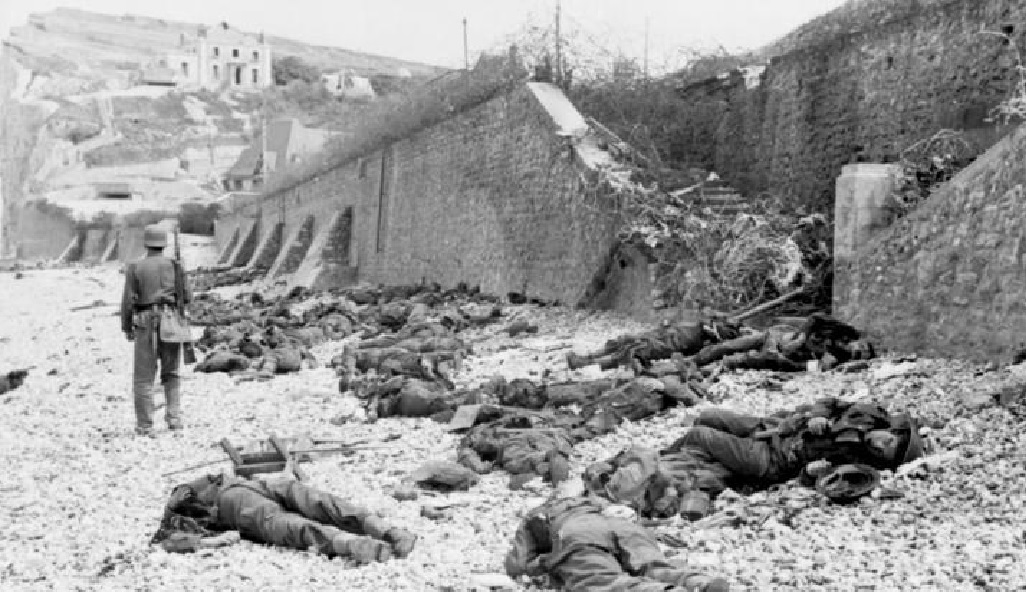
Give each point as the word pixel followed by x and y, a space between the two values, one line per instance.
pixel 173 326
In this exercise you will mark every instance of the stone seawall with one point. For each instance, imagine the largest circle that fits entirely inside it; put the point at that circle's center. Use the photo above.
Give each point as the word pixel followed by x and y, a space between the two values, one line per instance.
pixel 895 73
pixel 499 196
pixel 949 279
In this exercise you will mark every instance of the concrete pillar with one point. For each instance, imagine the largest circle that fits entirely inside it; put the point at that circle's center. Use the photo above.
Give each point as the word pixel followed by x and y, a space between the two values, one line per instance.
pixel 295 249
pixel 267 252
pixel 864 193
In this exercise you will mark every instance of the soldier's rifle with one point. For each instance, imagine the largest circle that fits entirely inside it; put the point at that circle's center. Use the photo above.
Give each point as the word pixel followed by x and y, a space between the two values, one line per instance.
pixel 348 447
pixel 188 353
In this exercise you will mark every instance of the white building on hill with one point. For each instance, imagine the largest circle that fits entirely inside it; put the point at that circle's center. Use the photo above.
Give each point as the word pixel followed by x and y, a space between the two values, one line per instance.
pixel 220 58
pixel 348 84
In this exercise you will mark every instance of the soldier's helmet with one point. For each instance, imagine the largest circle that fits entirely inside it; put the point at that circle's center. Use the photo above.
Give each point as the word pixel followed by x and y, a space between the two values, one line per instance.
pixel 913 445
pixel 154 236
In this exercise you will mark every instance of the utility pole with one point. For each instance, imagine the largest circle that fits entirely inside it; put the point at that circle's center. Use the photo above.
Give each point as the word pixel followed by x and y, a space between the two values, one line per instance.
pixel 466 52
pixel 558 74
pixel 263 139
pixel 646 49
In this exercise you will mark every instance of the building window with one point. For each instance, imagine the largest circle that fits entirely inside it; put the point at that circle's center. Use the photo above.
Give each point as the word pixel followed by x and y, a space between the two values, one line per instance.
pixel 185 68
pixel 217 73
pixel 217 52
pixel 238 76
pixel 235 53
pixel 256 76
pixel 238 184
pixel 256 55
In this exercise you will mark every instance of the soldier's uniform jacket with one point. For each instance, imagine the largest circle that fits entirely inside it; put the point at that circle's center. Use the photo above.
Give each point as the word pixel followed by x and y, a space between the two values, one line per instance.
pixel 539 533
pixel 149 281
pixel 518 442
pixel 843 442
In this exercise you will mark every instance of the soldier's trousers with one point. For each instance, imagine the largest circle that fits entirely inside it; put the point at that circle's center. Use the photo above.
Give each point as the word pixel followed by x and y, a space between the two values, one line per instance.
pixel 600 554
pixel 722 436
pixel 149 351
pixel 290 514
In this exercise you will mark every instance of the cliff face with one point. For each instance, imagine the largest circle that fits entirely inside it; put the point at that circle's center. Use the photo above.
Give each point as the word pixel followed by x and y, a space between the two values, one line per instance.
pixel 73 114
pixel 21 123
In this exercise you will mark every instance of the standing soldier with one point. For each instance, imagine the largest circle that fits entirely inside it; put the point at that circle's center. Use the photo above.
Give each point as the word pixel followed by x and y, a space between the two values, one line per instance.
pixel 149 286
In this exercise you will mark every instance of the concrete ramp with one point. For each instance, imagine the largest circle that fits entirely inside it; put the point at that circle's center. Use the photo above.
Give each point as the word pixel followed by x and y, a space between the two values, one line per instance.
pixel 110 252
pixel 267 252
pixel 295 249
pixel 73 251
pixel 249 238
pixel 94 245
pixel 327 263
pixel 229 248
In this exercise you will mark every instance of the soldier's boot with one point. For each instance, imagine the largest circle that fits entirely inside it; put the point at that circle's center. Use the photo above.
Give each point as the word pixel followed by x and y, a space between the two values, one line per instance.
pixel 173 396
pixel 575 361
pixel 402 541
pixel 706 584
pixel 612 361
pixel 559 466
pixel 361 549
pixel 222 540
pixel 472 461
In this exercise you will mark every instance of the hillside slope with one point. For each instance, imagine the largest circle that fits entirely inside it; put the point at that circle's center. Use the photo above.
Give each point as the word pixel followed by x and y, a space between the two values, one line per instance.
pixel 109 42
pixel 74 115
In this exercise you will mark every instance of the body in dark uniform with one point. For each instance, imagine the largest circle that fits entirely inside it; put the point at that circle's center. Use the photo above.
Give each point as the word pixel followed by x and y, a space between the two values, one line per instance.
pixel 150 285
pixel 286 513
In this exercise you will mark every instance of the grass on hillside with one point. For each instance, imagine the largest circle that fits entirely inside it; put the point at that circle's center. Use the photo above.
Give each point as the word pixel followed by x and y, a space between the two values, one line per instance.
pixel 392 119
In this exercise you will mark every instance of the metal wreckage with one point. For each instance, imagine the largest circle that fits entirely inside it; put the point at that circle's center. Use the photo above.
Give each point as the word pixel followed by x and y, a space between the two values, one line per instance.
pixel 410 341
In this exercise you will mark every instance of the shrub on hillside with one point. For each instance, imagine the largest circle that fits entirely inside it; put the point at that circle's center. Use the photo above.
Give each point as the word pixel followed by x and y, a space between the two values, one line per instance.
pixel 288 68
pixel 385 84
pixel 386 121
pixel 198 218
pixel 75 123
pixel 642 113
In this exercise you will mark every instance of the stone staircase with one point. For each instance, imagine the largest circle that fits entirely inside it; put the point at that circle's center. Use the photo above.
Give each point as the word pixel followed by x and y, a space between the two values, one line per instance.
pixel 721 198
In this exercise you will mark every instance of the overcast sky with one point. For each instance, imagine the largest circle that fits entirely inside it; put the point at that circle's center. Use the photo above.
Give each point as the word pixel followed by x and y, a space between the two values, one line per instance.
pixel 431 31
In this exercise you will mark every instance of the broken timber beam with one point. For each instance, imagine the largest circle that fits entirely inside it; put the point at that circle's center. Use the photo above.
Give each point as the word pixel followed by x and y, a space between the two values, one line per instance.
pixel 765 306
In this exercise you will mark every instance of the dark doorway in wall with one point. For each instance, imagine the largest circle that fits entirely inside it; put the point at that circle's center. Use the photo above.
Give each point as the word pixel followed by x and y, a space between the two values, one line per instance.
pixel 384 192
pixel 113 191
